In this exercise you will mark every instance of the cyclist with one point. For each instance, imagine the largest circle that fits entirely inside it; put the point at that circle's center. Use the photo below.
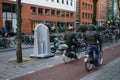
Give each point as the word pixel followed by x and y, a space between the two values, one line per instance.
pixel 70 39
pixel 91 37
pixel 4 32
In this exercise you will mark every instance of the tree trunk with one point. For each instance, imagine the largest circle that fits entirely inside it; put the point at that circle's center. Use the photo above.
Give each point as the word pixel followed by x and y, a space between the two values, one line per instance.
pixel 94 11
pixel 19 20
pixel 118 4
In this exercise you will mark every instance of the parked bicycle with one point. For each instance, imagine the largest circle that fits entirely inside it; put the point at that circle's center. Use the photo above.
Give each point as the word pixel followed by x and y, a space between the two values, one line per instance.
pixel 26 39
pixel 6 42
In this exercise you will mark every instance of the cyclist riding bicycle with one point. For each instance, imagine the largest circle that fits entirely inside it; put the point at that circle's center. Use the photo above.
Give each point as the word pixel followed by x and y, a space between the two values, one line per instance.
pixel 70 39
pixel 91 36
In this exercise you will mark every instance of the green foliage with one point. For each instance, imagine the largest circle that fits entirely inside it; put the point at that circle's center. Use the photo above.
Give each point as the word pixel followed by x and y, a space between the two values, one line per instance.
pixel 49 26
pixel 100 28
pixel 112 28
pixel 82 28
pixel 52 37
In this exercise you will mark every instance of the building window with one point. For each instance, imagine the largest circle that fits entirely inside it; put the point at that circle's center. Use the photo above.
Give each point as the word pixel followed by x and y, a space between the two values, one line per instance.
pixel 57 1
pixel 91 7
pixel 83 5
pixel 9 13
pixel 91 16
pixel 83 15
pixel 67 2
pixel 40 10
pixel 58 13
pixel 67 14
pixel 47 12
pixel 88 16
pixel 62 1
pixel 88 6
pixel 63 13
pixel 71 2
pixel 53 12
pixel 33 10
pixel 9 8
pixel 71 14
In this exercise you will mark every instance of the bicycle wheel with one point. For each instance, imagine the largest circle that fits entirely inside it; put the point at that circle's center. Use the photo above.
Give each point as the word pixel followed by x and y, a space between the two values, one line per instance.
pixel 6 43
pixel 87 60
pixel 66 59
pixel 100 61
pixel 53 50
pixel 11 44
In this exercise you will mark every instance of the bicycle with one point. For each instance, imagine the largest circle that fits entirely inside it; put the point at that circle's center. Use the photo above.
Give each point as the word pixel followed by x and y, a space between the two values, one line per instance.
pixel 70 54
pixel 90 56
pixel 6 42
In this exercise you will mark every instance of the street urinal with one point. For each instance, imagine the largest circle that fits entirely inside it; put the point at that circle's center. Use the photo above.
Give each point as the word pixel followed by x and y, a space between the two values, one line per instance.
pixel 41 47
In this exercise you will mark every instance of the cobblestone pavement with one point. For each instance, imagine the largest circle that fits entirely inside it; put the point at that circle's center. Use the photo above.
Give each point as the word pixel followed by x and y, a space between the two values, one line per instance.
pixel 9 70
pixel 14 48
pixel 110 71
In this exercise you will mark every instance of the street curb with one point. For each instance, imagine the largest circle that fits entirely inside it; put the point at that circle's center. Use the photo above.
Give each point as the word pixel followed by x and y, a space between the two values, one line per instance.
pixel 11 49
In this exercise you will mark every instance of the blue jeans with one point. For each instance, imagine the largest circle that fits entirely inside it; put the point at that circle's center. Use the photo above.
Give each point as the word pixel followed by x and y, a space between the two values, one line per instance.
pixel 94 48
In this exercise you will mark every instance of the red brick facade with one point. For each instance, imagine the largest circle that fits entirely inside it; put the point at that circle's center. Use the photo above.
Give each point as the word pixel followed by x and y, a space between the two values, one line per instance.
pixel 29 20
pixel 27 17
pixel 101 12
pixel 86 11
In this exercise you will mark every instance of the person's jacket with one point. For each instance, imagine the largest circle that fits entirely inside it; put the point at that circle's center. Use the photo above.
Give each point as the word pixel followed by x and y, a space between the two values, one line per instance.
pixel 68 37
pixel 91 37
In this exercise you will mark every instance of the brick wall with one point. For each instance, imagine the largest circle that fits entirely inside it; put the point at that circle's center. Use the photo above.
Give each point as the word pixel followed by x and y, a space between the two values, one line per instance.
pixel 101 11
pixel 27 18
pixel 85 20
pixel 0 14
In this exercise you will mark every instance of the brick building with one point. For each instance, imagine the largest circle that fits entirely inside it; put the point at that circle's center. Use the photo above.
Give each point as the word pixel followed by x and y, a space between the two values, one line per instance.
pixel 101 18
pixel 59 13
pixel 84 12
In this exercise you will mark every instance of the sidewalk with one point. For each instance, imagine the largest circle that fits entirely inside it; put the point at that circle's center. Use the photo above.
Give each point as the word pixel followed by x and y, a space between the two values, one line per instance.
pixel 24 46
pixel 14 48
pixel 110 71
pixel 11 70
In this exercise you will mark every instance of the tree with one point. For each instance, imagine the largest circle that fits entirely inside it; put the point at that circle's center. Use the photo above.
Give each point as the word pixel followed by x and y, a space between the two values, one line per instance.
pixel 19 21
pixel 94 11
pixel 118 4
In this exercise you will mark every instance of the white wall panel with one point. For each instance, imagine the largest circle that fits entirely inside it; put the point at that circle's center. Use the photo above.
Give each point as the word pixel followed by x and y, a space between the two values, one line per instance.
pixel 49 3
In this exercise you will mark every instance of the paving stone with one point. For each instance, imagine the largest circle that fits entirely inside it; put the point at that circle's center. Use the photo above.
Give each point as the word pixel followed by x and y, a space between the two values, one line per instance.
pixel 108 72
